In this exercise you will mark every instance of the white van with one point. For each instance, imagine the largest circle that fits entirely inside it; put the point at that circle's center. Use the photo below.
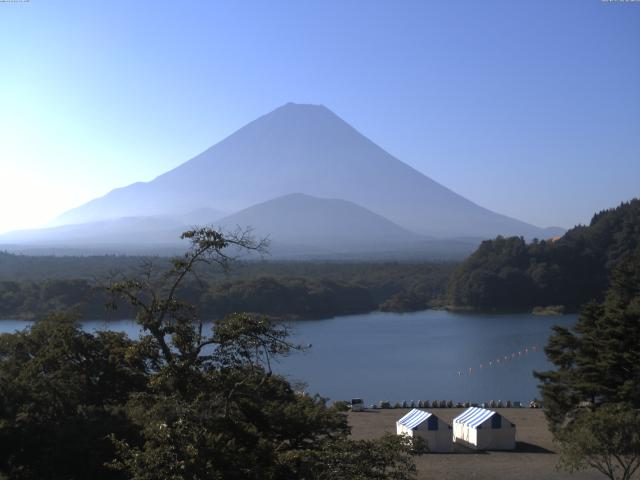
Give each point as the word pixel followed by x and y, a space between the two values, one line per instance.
pixel 357 405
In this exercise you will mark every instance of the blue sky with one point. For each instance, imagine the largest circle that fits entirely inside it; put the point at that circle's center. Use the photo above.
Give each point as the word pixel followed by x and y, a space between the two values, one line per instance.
pixel 529 108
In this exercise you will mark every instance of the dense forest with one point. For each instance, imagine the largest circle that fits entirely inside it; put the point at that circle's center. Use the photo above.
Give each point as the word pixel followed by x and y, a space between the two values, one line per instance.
pixel 31 286
pixel 509 274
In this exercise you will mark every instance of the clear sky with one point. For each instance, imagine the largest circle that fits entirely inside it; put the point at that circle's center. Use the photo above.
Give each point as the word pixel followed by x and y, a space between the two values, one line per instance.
pixel 529 108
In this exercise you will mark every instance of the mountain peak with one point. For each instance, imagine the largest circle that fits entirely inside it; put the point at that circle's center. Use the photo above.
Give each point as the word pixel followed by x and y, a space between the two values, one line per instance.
pixel 303 106
pixel 301 112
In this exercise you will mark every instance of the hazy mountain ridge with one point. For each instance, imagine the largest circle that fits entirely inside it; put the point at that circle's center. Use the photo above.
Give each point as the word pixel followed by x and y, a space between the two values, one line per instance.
pixel 118 235
pixel 331 223
pixel 297 226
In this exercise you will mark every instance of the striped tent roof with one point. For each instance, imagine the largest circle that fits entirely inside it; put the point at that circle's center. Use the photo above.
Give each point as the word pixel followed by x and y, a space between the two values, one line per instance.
pixel 474 416
pixel 414 418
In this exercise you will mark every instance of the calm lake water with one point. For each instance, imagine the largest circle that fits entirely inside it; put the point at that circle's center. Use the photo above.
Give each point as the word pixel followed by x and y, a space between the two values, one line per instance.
pixel 422 355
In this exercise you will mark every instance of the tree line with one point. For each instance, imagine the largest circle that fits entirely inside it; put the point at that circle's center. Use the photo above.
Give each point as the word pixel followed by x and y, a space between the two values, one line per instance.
pixel 316 290
pixel 511 274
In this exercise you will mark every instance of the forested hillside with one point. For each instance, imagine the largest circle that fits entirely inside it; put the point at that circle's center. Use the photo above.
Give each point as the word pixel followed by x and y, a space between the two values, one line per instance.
pixel 30 287
pixel 510 274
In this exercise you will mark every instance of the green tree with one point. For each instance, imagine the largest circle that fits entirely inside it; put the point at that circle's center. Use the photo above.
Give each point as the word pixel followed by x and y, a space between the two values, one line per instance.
pixel 62 393
pixel 607 439
pixel 390 457
pixel 597 379
pixel 598 361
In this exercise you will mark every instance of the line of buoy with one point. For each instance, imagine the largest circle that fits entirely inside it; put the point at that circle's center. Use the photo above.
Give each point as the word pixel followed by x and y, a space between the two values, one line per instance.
pixel 503 359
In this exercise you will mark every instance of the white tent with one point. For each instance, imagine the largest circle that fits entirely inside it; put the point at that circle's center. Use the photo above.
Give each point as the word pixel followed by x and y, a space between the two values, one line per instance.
pixel 483 429
pixel 426 425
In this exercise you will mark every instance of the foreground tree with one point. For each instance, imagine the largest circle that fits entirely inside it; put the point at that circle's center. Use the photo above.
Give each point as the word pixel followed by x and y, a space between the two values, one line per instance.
pixel 592 399
pixel 607 439
pixel 389 457
pixel 214 408
pixel 62 393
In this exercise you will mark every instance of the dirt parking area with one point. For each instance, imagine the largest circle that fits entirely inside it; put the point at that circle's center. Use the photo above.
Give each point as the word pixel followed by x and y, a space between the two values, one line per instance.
pixel 534 457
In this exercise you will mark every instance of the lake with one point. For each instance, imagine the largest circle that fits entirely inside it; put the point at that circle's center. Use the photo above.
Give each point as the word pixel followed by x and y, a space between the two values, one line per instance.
pixel 423 355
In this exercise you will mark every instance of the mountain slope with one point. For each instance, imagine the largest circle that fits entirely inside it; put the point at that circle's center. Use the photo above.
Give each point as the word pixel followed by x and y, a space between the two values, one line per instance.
pixel 308 149
pixel 118 234
pixel 121 231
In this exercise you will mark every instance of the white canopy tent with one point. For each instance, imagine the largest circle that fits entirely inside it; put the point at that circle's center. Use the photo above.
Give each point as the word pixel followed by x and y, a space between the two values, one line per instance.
pixel 483 429
pixel 426 425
